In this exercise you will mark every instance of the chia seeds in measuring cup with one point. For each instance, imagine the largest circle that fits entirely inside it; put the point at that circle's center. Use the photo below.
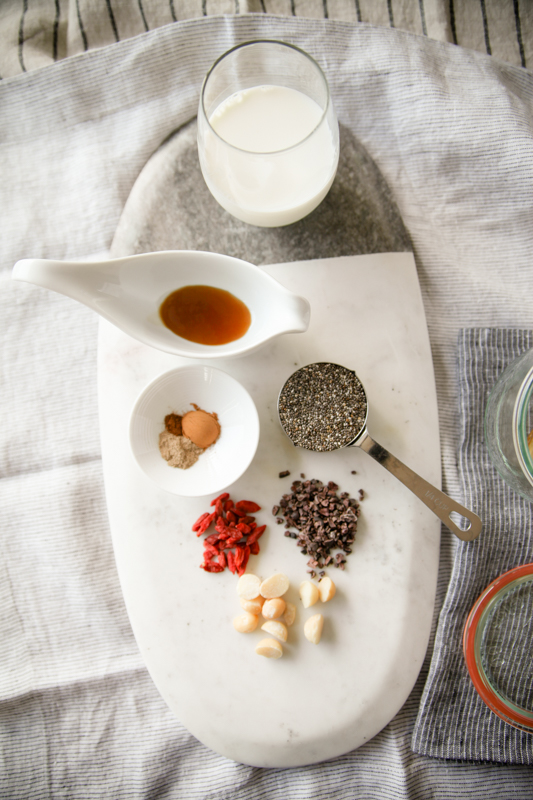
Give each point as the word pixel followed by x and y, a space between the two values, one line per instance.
pixel 322 407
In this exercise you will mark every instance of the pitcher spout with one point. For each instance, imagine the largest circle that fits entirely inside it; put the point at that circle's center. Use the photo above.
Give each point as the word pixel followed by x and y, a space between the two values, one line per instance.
pixel 78 280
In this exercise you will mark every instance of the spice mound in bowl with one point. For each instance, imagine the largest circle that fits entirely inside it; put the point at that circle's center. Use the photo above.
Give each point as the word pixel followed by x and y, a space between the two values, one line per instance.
pixel 178 451
pixel 194 430
pixel 186 437
pixel 201 428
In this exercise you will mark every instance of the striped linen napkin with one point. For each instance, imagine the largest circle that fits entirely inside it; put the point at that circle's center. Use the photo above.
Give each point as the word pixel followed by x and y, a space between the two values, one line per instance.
pixel 35 34
pixel 453 722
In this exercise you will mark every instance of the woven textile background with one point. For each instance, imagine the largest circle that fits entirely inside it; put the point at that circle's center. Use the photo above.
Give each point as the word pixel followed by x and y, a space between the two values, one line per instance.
pixel 451 131
pixel 36 33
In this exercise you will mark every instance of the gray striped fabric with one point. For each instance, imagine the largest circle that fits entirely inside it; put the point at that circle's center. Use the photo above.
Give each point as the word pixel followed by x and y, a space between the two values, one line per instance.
pixel 33 34
pixel 453 721
pixel 452 133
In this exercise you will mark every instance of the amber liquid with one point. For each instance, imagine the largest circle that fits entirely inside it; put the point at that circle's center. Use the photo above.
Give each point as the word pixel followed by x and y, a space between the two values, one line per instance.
pixel 205 315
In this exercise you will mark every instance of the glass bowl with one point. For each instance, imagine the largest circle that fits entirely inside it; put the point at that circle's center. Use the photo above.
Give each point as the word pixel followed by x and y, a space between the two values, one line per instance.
pixel 509 423
pixel 498 647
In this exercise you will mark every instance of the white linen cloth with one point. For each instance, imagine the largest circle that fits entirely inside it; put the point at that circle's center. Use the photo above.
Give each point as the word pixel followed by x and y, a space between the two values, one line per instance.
pixel 452 132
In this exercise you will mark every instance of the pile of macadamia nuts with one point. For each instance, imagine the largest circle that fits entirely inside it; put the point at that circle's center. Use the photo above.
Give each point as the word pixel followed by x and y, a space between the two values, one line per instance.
pixel 264 599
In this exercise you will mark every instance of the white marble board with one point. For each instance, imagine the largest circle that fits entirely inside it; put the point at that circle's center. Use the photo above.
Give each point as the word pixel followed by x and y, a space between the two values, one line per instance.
pixel 317 701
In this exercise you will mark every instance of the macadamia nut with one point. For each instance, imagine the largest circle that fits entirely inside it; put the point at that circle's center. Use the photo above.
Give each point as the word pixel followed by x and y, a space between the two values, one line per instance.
pixel 270 648
pixel 275 628
pixel 275 586
pixel 273 608
pixel 245 623
pixel 308 593
pixel 313 628
pixel 248 586
pixel 253 606
pixel 290 614
pixel 326 589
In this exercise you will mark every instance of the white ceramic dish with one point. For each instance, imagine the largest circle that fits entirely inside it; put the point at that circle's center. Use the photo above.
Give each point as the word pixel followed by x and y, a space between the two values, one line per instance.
pixel 213 391
pixel 129 291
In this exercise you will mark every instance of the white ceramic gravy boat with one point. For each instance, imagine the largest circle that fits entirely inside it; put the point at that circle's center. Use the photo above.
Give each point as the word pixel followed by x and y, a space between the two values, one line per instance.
pixel 129 291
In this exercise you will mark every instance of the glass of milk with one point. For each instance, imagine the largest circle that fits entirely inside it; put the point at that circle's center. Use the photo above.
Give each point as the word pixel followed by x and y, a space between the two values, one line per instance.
pixel 268 137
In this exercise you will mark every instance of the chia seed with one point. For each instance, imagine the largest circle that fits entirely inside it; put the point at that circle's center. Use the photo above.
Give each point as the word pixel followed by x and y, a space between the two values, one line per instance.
pixel 322 407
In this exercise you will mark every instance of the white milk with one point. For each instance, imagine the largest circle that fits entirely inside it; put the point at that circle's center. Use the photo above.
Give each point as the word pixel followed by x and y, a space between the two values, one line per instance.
pixel 266 169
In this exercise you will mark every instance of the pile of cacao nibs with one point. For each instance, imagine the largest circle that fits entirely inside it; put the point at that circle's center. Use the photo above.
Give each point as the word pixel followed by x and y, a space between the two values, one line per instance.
pixel 324 520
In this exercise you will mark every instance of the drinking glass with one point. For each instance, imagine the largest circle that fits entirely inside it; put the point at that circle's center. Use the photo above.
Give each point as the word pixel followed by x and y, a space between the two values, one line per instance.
pixel 509 423
pixel 268 137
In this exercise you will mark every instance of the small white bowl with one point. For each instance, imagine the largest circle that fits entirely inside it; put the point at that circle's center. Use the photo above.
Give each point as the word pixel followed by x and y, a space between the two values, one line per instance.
pixel 213 391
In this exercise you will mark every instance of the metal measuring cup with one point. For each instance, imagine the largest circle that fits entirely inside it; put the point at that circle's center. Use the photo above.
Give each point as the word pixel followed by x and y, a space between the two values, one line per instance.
pixel 323 407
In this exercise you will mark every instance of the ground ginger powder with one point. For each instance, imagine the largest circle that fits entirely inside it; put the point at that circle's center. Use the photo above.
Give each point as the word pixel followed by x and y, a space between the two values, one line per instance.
pixel 178 451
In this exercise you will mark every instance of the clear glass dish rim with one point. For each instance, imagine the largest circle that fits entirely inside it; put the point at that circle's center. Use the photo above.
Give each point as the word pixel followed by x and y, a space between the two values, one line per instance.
pixel 512 714
pixel 255 42
pixel 520 431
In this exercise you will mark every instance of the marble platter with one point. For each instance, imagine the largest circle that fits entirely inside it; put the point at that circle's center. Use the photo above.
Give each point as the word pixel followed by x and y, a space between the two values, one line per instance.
pixel 316 702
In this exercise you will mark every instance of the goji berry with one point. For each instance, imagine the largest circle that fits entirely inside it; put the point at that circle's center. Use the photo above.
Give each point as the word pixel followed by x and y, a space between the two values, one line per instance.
pixel 222 497
pixel 239 556
pixel 205 523
pixel 229 543
pixel 200 520
pixel 211 567
pixel 254 536
pixel 221 526
pixel 242 568
pixel 235 537
pixel 231 562
pixel 242 527
pixel 248 506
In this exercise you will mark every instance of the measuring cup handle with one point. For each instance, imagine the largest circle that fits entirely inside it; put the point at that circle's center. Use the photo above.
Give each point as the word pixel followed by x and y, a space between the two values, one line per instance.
pixel 434 499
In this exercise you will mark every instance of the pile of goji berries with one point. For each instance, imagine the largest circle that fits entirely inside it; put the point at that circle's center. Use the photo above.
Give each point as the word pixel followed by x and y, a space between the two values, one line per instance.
pixel 235 537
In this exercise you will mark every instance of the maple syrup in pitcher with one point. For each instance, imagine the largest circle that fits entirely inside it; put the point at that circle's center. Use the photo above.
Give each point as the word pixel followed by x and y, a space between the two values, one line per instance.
pixel 205 315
